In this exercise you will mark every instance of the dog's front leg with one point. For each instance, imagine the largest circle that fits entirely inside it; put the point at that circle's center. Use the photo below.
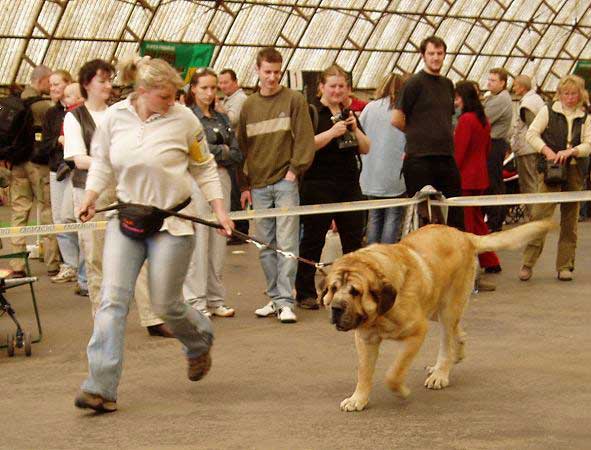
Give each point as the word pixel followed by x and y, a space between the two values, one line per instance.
pixel 397 372
pixel 367 353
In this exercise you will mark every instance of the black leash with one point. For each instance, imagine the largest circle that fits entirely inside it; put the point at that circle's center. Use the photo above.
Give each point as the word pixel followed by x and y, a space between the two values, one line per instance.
pixel 239 234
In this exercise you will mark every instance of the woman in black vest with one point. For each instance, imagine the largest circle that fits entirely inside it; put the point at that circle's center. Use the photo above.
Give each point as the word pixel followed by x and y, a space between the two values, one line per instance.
pixel 333 177
pixel 561 132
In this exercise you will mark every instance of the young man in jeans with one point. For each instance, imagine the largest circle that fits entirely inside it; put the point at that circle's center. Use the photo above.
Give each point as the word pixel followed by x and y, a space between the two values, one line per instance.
pixel 275 132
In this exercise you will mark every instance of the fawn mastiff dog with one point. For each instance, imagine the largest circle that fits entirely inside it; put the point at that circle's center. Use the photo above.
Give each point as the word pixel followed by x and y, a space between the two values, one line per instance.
pixel 391 291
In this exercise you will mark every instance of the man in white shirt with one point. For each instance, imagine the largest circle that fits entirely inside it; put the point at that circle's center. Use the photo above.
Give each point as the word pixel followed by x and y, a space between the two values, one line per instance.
pixel 234 96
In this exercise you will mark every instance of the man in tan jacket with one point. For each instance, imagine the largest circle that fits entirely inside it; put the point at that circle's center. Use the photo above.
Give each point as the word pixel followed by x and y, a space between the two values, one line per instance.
pixel 30 181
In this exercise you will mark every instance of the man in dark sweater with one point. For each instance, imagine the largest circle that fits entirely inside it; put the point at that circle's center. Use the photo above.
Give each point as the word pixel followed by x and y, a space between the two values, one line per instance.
pixel 424 111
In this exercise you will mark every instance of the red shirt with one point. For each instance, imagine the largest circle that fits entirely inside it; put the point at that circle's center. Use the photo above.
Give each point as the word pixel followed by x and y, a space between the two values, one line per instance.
pixel 357 104
pixel 472 146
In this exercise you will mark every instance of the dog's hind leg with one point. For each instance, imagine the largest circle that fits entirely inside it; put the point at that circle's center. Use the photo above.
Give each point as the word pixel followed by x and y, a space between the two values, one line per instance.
pixel 367 354
pixel 397 372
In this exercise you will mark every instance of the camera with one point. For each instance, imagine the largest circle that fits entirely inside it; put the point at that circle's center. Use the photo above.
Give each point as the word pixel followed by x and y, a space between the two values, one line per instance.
pixel 219 137
pixel 347 140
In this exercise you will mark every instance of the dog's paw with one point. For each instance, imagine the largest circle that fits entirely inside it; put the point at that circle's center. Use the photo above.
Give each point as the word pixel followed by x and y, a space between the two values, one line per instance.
pixel 399 389
pixel 353 403
pixel 402 391
pixel 429 369
pixel 437 379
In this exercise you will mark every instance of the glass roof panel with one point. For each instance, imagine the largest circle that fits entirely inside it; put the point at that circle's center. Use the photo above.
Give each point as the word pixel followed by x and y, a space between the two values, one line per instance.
pixel 17 16
pixel 328 29
pixel 365 36
pixel 10 50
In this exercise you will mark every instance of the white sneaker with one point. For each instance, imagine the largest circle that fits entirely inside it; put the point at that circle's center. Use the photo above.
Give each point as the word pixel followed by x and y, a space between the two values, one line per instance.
pixel 203 311
pixel 266 310
pixel 223 311
pixel 286 315
pixel 66 274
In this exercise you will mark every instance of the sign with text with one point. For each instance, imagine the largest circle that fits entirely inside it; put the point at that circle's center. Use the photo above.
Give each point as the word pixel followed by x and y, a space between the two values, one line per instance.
pixel 186 58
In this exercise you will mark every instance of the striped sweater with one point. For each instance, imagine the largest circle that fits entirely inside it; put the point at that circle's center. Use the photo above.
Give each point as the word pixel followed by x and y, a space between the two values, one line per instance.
pixel 275 134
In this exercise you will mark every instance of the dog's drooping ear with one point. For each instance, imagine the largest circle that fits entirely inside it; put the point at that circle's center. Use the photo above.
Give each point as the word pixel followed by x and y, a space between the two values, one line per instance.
pixel 385 298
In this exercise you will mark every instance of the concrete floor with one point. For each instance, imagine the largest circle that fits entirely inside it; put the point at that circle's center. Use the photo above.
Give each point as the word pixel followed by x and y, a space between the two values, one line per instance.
pixel 523 385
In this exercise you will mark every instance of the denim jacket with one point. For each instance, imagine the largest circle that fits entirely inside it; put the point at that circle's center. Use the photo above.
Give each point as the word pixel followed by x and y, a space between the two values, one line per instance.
pixel 221 139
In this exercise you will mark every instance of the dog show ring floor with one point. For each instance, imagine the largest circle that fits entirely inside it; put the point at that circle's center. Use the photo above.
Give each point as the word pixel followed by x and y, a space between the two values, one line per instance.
pixel 523 385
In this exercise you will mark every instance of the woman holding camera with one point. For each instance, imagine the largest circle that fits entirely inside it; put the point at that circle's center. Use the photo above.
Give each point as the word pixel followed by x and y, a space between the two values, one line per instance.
pixel 203 288
pixel 562 133
pixel 333 177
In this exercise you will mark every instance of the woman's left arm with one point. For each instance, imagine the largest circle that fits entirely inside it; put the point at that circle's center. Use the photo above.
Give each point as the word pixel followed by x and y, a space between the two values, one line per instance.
pixel 581 150
pixel 584 148
pixel 362 139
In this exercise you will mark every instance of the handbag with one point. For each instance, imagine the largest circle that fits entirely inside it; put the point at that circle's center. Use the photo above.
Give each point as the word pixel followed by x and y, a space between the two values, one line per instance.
pixel 555 173
pixel 142 221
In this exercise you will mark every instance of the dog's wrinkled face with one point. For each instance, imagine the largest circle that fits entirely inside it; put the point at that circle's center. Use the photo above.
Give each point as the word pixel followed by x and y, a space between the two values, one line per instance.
pixel 356 295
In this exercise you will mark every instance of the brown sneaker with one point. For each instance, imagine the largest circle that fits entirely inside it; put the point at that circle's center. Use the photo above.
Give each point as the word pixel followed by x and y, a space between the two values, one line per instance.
pixel 565 275
pixel 525 273
pixel 485 286
pixel 86 400
pixel 18 274
pixel 161 330
pixel 308 303
pixel 199 366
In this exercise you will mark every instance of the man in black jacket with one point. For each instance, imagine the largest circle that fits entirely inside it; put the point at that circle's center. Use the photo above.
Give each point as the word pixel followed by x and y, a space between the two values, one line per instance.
pixel 30 179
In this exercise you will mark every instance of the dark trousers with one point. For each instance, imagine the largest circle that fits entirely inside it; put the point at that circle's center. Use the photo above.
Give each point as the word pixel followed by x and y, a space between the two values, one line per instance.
pixel 314 227
pixel 241 225
pixel 496 185
pixel 442 173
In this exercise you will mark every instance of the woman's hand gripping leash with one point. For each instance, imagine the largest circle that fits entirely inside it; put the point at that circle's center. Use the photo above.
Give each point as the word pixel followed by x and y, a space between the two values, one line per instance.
pixel 88 207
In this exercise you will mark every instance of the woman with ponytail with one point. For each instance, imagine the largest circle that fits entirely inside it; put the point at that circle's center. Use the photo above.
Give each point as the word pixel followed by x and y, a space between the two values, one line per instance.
pixel 152 149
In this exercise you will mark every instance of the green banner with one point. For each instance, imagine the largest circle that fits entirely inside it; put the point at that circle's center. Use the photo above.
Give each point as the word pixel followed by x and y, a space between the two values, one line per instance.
pixel 583 69
pixel 185 57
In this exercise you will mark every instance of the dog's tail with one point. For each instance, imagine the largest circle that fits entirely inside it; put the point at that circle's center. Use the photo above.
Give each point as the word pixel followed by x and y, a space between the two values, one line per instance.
pixel 511 239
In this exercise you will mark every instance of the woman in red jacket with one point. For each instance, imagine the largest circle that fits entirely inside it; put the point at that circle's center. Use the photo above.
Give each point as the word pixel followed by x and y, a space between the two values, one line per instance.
pixel 472 145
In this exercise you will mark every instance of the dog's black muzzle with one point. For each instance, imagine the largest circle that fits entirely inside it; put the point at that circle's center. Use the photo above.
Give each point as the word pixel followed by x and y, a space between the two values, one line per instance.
pixel 340 317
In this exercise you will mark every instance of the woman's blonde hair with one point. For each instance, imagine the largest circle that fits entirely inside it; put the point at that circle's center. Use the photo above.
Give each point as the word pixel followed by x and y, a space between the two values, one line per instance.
pixel 333 71
pixel 149 73
pixel 64 75
pixel 573 81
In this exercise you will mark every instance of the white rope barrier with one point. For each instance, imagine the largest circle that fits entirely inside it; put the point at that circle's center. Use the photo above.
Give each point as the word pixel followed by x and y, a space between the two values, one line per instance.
pixel 481 200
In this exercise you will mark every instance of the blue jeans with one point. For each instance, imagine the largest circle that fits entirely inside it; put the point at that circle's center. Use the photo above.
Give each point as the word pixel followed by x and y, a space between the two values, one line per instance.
pixel 280 272
pixel 62 206
pixel 168 258
pixel 383 225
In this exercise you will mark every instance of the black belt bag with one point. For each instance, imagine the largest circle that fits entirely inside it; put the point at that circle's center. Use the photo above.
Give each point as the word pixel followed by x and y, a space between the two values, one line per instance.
pixel 142 221
pixel 554 173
